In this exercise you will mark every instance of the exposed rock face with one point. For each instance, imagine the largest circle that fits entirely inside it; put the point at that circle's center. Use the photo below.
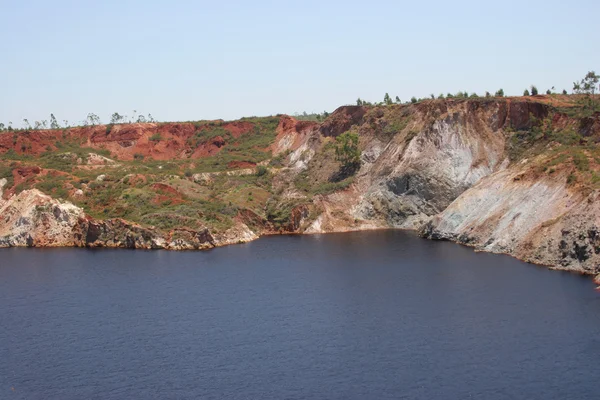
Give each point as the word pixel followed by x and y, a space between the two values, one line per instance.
pixel 442 167
pixel 34 219
pixel 447 173
pixel 425 158
pixel 540 221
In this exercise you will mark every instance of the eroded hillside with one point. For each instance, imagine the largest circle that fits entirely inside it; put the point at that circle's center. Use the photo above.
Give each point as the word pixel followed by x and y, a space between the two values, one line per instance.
pixel 512 175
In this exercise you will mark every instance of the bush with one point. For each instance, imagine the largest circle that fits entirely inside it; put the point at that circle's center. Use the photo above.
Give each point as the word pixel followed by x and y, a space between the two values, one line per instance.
pixel 261 170
pixel 156 137
pixel 500 93
pixel 413 99
pixel 346 150
pixel 534 90
pixel 526 92
pixel 6 172
pixel 581 161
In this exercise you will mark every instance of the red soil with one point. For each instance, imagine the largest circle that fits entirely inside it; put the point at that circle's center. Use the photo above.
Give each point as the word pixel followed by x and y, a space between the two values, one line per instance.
pixel 240 164
pixel 125 141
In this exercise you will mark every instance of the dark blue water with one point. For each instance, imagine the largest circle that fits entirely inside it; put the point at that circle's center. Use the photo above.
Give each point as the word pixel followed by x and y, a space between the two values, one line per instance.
pixel 377 315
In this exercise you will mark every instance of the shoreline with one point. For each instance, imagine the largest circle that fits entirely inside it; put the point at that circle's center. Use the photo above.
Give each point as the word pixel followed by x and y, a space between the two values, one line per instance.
pixel 122 246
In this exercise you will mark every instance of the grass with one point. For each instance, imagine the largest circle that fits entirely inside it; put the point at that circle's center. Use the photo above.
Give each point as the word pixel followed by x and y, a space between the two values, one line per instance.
pixel 6 172
pixel 53 185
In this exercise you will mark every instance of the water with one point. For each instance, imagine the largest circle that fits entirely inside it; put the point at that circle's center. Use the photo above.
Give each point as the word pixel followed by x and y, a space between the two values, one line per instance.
pixel 377 315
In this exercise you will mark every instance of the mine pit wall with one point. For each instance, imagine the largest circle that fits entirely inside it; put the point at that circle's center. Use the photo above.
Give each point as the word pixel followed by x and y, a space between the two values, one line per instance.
pixel 446 173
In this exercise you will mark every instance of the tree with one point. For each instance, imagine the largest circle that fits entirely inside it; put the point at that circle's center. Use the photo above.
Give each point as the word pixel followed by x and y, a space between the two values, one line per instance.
pixel 53 123
pixel 116 118
pixel 587 86
pixel 26 123
pixel 441 96
pixel 534 90
pixel 526 92
pixel 449 96
pixel 488 94
pixel 500 93
pixel 150 118
pixel 346 150
pixel 1 126
pixel 142 119
pixel 37 125
pixel 93 119
pixel 565 91
pixel 359 102
pixel 413 100
pixel 387 99
pixel 398 100
pixel 548 91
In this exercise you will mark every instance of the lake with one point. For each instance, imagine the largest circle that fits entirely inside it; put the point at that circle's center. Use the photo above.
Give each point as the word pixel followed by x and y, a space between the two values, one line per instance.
pixel 368 315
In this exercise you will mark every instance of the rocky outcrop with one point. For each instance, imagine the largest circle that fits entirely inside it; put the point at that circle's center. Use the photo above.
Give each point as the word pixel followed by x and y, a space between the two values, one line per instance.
pixel 541 221
pixel 33 219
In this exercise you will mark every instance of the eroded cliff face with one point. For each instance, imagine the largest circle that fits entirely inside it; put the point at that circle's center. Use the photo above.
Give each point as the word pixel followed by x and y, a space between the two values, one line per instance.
pixel 445 169
pixel 33 219
pixel 513 176
pixel 538 220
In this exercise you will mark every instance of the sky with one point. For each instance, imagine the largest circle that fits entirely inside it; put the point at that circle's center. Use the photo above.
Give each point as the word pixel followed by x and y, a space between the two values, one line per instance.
pixel 190 60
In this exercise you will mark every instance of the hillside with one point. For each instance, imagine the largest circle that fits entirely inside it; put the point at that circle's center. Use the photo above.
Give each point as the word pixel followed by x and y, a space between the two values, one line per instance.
pixel 514 175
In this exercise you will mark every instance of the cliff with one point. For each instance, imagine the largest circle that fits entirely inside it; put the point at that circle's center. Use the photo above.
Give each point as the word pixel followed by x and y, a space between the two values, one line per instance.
pixel 508 175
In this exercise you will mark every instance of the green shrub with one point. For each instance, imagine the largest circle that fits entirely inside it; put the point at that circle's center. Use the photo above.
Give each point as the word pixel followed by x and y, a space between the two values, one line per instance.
pixel 581 161
pixel 261 170
pixel 534 90
pixel 346 150
pixel 6 172
pixel 157 137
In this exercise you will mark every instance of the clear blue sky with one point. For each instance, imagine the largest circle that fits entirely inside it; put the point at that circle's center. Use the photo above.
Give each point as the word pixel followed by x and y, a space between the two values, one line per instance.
pixel 184 60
